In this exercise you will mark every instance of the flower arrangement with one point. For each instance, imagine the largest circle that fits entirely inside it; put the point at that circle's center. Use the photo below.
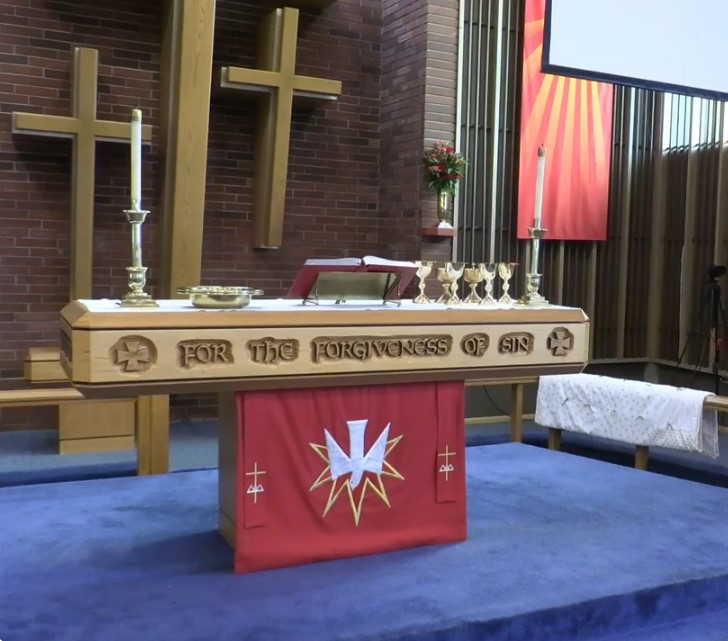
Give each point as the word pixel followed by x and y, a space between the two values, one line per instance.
pixel 445 167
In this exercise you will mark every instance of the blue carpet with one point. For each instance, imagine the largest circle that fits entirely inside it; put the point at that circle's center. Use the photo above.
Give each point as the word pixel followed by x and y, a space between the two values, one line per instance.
pixel 701 469
pixel 67 473
pixel 707 627
pixel 560 547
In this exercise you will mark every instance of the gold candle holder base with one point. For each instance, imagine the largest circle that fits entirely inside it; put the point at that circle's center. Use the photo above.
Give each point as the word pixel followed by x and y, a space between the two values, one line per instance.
pixel 533 279
pixel 136 274
pixel 532 297
pixel 137 297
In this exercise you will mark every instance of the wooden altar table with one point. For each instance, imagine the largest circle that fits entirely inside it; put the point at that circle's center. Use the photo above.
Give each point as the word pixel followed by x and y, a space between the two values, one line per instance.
pixel 345 419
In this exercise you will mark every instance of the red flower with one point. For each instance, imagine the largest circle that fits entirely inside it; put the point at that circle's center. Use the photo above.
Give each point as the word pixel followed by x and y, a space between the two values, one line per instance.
pixel 444 165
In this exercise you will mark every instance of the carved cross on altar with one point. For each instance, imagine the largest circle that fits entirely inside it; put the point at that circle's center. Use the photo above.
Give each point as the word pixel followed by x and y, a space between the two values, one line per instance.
pixel 277 84
pixel 84 129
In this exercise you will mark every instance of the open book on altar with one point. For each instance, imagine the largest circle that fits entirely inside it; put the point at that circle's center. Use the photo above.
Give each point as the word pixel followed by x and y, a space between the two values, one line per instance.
pixel 352 278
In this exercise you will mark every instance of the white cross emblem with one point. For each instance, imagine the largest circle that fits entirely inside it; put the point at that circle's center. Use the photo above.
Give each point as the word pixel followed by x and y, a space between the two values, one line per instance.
pixel 256 487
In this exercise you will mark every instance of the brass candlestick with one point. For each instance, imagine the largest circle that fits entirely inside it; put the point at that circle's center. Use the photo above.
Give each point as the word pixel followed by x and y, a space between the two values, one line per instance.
pixel 533 278
pixel 136 274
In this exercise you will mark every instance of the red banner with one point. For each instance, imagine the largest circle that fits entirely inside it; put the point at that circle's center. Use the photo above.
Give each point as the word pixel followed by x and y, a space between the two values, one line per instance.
pixel 572 119
pixel 340 472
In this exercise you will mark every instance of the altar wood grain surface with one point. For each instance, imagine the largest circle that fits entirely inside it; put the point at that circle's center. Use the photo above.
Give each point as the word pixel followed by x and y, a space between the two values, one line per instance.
pixel 107 315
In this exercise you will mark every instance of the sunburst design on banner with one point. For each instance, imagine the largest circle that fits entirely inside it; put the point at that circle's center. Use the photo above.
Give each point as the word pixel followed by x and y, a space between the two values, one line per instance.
pixel 572 118
pixel 341 485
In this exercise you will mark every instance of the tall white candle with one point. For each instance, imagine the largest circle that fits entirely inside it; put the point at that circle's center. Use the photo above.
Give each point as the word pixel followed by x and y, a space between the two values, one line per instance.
pixel 136 158
pixel 540 170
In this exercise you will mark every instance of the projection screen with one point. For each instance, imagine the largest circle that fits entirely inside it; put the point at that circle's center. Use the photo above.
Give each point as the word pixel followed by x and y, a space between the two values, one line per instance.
pixel 679 46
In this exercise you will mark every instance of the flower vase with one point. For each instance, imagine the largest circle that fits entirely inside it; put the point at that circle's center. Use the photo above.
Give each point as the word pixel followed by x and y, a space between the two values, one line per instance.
pixel 444 212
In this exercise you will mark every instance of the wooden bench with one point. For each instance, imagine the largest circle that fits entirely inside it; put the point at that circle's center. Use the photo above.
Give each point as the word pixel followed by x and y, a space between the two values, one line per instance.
pixel 517 385
pixel 83 427
pixel 88 426
pixel 151 417
pixel 642 452
pixel 641 460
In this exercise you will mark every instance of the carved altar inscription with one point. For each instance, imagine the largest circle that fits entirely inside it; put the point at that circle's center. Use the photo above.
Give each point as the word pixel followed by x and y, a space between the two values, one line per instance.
pixel 560 341
pixel 516 343
pixel 133 354
pixel 271 351
pixel 362 348
pixel 194 353
pixel 475 344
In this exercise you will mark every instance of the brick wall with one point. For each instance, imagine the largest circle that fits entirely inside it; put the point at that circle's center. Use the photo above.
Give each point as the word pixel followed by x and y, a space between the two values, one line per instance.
pixel 332 199
pixel 355 182
pixel 419 87
pixel 36 53
pixel 404 49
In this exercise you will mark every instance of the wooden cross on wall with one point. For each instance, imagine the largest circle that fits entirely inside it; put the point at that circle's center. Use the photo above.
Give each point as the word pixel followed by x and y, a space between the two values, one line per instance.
pixel 84 129
pixel 276 82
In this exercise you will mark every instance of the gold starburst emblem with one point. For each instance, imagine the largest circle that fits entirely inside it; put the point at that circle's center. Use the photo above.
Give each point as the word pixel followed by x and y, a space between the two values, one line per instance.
pixel 341 485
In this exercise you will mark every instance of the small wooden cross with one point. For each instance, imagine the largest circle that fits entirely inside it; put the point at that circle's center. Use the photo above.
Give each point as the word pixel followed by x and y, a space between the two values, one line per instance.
pixel 277 83
pixel 84 129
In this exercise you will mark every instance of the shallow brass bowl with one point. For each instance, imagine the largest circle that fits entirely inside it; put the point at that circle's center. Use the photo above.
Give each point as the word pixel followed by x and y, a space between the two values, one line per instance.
pixel 219 297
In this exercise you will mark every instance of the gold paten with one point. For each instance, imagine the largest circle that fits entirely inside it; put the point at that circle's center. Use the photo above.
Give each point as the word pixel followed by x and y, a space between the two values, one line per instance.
pixel 218 296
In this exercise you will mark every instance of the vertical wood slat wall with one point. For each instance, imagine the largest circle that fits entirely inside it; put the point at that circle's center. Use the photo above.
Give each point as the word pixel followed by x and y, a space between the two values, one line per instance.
pixel 491 45
pixel 644 287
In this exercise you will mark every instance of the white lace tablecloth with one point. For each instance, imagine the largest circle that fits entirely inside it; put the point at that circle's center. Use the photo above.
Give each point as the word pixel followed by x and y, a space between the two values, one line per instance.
pixel 628 411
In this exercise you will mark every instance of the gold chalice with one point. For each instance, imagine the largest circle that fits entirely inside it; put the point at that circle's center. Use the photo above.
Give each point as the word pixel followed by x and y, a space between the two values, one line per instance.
pixel 444 278
pixel 473 275
pixel 449 276
pixel 505 271
pixel 424 267
pixel 489 271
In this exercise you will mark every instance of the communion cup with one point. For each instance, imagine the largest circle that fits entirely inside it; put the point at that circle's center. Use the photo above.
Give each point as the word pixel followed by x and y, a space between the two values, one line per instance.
pixel 473 276
pixel 505 271
pixel 424 267
pixel 489 270
pixel 446 279
pixel 455 273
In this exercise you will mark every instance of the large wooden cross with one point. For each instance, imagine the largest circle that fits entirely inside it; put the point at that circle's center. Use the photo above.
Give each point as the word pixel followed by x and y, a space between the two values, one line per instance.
pixel 277 83
pixel 84 128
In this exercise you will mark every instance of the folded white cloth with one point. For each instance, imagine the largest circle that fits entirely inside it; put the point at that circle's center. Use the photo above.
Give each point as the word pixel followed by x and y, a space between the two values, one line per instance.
pixel 628 411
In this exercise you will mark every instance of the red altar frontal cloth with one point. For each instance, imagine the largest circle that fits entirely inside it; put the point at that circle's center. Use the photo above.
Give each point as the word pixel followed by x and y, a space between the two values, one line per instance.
pixel 340 472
